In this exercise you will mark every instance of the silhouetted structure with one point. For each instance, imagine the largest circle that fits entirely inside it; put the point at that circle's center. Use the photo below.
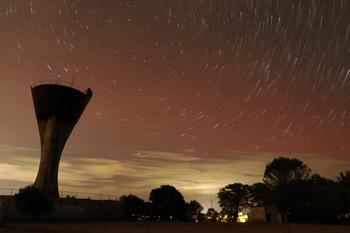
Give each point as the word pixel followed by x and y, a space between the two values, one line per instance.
pixel 58 108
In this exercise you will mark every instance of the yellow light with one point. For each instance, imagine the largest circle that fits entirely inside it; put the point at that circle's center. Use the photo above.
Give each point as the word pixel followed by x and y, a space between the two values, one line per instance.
pixel 242 218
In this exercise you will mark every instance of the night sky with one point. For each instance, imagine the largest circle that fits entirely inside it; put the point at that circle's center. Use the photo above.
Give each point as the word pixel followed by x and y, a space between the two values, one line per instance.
pixel 193 93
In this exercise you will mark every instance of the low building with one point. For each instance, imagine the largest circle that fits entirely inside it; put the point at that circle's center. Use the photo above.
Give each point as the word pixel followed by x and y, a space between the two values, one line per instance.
pixel 267 214
pixel 66 209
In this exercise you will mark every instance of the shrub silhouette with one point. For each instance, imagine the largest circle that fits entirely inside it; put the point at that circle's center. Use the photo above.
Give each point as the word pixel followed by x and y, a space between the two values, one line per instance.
pixel 31 201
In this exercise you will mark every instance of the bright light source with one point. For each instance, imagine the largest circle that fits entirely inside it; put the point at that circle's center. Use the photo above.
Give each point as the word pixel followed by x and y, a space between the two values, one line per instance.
pixel 242 218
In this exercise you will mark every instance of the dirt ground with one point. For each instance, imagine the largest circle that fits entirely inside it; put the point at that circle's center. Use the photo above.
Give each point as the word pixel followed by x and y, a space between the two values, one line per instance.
pixel 170 228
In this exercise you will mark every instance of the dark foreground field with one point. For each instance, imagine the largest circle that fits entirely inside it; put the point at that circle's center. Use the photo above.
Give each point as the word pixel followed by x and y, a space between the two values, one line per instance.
pixel 170 228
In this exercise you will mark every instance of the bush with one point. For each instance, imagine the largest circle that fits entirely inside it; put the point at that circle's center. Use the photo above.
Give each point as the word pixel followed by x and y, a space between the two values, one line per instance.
pixel 32 201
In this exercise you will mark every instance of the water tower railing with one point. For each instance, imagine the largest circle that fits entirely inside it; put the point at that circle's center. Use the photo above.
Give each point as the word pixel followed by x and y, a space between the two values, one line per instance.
pixel 61 82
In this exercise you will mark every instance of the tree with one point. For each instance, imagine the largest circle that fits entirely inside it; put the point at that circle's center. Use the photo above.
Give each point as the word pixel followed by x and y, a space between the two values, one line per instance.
pixel 287 179
pixel 194 210
pixel 212 215
pixel 293 199
pixel 259 194
pixel 324 200
pixel 283 170
pixel 133 207
pixel 32 201
pixel 344 194
pixel 344 177
pixel 232 199
pixel 168 203
pixel 311 200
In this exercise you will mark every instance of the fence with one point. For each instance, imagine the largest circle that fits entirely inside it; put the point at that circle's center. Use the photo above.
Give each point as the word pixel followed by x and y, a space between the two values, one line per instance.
pixel 69 194
pixel 8 191
pixel 92 196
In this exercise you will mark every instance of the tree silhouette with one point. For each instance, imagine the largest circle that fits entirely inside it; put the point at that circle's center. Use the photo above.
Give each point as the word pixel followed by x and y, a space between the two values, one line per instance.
pixel 312 200
pixel 344 177
pixel 299 196
pixel 284 170
pixel 324 200
pixel 344 193
pixel 212 215
pixel 286 178
pixel 168 203
pixel 31 201
pixel 259 194
pixel 194 210
pixel 232 199
pixel 133 206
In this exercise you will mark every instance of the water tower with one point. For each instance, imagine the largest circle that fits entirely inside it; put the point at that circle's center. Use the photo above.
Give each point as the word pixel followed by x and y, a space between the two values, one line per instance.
pixel 58 107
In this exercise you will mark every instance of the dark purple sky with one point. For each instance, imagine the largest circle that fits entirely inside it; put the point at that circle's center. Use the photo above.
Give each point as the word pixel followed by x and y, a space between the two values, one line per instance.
pixel 196 93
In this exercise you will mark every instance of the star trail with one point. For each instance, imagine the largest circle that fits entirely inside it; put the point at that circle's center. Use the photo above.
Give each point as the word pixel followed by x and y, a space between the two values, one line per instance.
pixel 205 80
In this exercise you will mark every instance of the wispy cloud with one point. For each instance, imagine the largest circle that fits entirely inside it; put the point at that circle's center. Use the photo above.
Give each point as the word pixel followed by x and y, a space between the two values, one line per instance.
pixel 196 177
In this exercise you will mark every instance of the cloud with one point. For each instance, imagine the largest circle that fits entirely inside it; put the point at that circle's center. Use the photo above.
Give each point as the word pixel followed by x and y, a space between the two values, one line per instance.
pixel 168 156
pixel 195 176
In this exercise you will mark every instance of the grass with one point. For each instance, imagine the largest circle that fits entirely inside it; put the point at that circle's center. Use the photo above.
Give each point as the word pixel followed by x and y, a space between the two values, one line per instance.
pixel 171 228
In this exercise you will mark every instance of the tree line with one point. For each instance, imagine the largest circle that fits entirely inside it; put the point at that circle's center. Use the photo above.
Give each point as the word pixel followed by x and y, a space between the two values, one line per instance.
pixel 299 194
pixel 287 184
pixel 166 203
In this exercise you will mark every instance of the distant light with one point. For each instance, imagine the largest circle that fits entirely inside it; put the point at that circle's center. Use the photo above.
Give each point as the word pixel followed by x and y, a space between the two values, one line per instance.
pixel 242 218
